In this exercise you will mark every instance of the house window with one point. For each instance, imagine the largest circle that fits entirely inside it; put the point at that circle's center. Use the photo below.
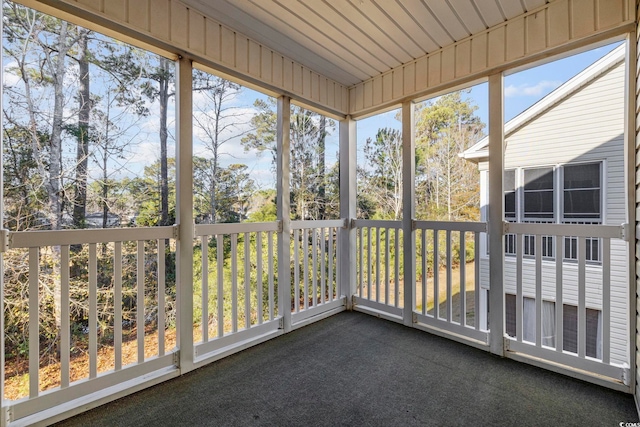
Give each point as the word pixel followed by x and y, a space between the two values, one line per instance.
pixel 575 198
pixel 570 331
pixel 509 178
pixel 582 205
pixel 538 195
pixel 581 192
pixel 529 320
pixel 569 325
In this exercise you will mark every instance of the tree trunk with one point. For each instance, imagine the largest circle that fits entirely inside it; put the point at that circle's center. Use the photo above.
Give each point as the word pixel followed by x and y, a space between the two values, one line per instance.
pixel 82 151
pixel 164 169
pixel 322 202
pixel 55 158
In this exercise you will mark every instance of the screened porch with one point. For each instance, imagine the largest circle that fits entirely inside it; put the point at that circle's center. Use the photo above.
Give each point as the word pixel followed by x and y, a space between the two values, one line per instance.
pixel 345 301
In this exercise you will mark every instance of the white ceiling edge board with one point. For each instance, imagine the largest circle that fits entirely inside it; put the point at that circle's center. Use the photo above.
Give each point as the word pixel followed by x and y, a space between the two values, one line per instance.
pixel 554 28
pixel 170 28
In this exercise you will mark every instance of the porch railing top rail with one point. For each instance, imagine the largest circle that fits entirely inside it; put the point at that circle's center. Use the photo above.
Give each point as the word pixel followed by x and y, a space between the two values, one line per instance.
pixel 235 228
pixel 377 223
pixel 31 239
pixel 576 230
pixel 325 223
pixel 480 227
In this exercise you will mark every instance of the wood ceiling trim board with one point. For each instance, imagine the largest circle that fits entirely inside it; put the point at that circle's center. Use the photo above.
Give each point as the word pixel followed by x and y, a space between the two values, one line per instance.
pixel 92 4
pixel 582 15
pixel 409 78
pixel 139 14
pixel 422 73
pixel 428 22
pixel 536 32
pixel 449 19
pixel 466 11
pixel 609 14
pixel 463 59
pixel 558 16
pixel 255 59
pixel 159 18
pixel 115 8
pixel 479 53
pixel 348 46
pixel 368 94
pixel 515 41
pixel 266 64
pixel 388 28
pixel 387 86
pixel 342 25
pixel 179 24
pixel 196 29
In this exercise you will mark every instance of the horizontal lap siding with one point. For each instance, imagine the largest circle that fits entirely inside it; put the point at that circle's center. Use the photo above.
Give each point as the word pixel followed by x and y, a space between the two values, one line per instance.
pixel 172 23
pixel 538 32
pixel 587 126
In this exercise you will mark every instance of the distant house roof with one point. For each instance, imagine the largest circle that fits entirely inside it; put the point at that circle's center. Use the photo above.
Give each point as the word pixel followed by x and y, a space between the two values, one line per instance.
pixel 480 152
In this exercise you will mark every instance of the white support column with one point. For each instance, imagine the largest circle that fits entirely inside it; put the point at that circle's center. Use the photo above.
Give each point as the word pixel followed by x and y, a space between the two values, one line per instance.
pixel 283 155
pixel 184 212
pixel 408 210
pixel 496 212
pixel 630 168
pixel 348 189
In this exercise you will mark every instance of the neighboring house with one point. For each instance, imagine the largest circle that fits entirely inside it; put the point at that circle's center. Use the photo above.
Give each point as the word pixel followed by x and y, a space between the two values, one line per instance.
pixel 564 163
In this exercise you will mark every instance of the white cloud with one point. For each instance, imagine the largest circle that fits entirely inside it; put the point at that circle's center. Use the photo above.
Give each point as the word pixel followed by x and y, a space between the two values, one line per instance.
pixel 542 87
pixel 9 78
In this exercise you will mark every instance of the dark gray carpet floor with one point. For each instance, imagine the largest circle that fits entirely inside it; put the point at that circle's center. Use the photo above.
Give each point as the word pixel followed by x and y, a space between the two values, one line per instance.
pixel 356 370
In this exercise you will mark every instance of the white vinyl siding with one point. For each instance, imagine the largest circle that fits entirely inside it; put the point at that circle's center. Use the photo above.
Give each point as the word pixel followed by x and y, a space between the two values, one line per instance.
pixel 587 127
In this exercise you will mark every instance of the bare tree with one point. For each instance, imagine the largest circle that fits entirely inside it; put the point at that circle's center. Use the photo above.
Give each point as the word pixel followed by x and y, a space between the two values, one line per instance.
pixel 218 122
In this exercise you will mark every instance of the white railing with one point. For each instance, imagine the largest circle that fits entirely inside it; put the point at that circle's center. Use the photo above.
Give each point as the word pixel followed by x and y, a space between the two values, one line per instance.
pixel 379 250
pixel 447 294
pixel 558 282
pixel 237 300
pixel 316 256
pixel 236 295
pixel 110 261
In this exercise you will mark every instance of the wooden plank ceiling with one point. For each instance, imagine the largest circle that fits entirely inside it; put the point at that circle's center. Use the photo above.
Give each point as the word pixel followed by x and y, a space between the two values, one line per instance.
pixel 353 40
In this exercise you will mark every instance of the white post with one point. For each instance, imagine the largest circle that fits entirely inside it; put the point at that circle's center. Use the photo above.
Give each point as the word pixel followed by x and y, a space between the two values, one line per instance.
pixel 348 188
pixel 630 168
pixel 284 210
pixel 184 212
pixel 496 213
pixel 408 210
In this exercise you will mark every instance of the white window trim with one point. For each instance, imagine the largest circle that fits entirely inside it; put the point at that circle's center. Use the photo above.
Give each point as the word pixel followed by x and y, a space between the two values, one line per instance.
pixel 558 189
